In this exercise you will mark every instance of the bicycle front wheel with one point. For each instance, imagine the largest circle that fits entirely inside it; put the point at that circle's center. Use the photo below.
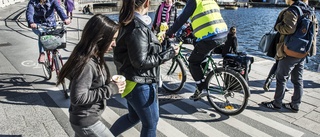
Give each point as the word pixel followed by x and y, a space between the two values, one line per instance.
pixel 46 67
pixel 228 92
pixel 58 65
pixel 173 75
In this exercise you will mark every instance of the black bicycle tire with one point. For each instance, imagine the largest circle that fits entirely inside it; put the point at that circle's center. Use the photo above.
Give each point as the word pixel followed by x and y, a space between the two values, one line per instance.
pixel 46 67
pixel 58 65
pixel 183 76
pixel 243 83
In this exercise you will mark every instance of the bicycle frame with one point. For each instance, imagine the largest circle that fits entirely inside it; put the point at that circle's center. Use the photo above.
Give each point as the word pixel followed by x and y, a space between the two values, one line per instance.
pixel 209 61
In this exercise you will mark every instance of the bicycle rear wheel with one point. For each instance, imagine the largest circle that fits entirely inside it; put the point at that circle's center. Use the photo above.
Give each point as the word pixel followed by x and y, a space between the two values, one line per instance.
pixel 46 67
pixel 58 65
pixel 228 92
pixel 173 75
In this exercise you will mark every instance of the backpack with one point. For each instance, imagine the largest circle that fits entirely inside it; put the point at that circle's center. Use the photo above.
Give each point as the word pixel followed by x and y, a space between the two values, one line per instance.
pixel 300 43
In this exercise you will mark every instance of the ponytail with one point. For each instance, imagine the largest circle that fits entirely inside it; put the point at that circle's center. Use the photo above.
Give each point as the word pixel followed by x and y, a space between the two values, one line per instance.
pixel 127 10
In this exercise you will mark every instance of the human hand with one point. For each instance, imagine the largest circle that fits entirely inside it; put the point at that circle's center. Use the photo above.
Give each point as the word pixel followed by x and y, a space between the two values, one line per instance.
pixel 176 50
pixel 33 25
pixel 67 21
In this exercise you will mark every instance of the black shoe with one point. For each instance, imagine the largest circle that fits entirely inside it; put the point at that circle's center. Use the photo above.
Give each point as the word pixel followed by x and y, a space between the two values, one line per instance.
pixel 197 95
pixel 270 105
pixel 286 89
pixel 266 85
pixel 290 107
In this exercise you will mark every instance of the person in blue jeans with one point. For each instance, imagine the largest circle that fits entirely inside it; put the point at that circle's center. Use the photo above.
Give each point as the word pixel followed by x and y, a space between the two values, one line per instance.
pixel 43 12
pixel 137 56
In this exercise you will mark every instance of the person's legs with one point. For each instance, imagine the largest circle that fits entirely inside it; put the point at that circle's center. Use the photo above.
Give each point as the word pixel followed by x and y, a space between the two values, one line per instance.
pixel 271 76
pixel 285 66
pixel 126 121
pixel 41 50
pixel 98 129
pixel 145 107
pixel 297 80
pixel 199 53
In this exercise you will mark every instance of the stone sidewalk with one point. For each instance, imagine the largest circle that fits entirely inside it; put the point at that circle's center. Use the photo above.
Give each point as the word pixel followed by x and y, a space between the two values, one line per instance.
pixel 23 109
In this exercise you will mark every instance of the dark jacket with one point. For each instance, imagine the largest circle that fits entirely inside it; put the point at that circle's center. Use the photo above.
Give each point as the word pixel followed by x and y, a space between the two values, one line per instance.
pixel 138 53
pixel 88 94
pixel 231 44
pixel 172 17
pixel 37 13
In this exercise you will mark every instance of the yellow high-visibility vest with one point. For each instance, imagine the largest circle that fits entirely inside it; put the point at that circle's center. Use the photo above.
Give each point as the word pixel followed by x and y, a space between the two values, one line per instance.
pixel 206 20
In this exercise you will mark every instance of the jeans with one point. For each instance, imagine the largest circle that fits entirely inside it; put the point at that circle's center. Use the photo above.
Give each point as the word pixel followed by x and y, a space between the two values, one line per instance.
pixel 143 106
pixel 98 129
pixel 38 32
pixel 287 66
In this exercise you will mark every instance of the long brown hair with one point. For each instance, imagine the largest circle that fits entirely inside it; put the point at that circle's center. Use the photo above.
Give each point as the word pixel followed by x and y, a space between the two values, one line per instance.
pixel 96 38
pixel 127 10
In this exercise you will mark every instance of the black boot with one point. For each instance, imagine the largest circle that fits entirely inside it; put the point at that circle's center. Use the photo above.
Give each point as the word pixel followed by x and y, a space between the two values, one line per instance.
pixel 267 83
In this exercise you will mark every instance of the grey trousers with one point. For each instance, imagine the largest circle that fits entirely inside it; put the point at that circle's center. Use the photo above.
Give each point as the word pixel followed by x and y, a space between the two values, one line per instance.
pixel 294 67
pixel 98 129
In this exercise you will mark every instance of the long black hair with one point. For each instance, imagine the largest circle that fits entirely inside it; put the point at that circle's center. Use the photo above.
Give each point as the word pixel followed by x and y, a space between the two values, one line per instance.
pixel 127 10
pixel 96 38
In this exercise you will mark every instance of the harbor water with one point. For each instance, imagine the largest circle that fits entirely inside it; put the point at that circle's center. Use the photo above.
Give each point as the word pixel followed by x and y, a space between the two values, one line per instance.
pixel 252 24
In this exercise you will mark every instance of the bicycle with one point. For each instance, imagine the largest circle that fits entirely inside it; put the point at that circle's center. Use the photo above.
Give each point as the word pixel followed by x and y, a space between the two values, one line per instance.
pixel 227 90
pixel 52 39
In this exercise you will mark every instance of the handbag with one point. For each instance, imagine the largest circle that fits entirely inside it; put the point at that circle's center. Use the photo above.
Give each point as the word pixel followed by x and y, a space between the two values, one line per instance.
pixel 266 41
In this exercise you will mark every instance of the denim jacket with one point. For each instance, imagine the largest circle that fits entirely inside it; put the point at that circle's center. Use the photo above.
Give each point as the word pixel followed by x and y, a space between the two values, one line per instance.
pixel 44 14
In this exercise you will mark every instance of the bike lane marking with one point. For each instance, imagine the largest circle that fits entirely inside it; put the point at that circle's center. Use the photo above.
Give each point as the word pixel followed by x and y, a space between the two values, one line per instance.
pixel 30 63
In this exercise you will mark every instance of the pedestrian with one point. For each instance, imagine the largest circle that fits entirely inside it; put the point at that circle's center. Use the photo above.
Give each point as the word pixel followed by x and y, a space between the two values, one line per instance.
pixel 42 12
pixel 210 31
pixel 166 12
pixel 69 5
pixel 287 65
pixel 137 56
pixel 231 44
pixel 90 80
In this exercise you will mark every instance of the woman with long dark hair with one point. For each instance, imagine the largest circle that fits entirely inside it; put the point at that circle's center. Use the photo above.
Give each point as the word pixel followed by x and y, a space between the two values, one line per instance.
pixel 90 83
pixel 138 55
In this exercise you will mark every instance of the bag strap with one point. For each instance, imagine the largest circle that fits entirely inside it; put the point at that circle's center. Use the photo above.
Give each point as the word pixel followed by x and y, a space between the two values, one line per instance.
pixel 300 13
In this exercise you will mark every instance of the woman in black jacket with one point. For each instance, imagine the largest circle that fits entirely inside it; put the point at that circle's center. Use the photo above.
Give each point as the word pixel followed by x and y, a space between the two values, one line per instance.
pixel 89 76
pixel 138 56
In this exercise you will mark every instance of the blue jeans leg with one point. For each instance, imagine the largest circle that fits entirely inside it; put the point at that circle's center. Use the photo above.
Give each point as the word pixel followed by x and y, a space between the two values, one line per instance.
pixel 143 106
pixel 38 32
pixel 287 66
pixel 98 129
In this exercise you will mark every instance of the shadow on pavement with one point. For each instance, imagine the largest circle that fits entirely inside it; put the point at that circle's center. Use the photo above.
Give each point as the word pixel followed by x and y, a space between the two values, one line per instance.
pixel 14 89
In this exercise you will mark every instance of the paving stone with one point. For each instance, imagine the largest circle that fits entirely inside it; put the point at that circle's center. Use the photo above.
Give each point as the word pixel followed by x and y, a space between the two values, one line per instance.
pixel 54 129
pixel 308 124
pixel 32 131
pixel 311 100
pixel 314 94
pixel 306 107
pixel 317 109
pixel 314 116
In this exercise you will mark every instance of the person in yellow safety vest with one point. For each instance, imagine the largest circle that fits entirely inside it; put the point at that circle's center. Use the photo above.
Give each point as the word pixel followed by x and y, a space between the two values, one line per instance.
pixel 210 30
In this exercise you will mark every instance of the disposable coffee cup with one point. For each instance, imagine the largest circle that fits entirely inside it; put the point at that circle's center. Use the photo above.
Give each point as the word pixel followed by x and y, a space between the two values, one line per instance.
pixel 118 78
